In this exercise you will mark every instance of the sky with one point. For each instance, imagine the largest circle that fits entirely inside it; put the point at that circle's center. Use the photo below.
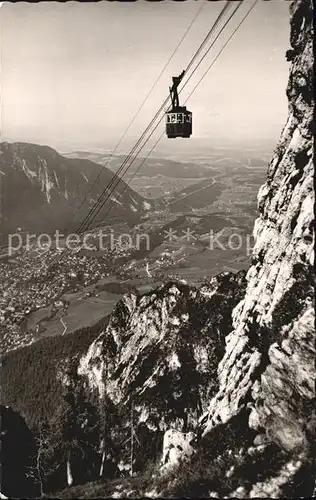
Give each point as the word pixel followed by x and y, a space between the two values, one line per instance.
pixel 73 75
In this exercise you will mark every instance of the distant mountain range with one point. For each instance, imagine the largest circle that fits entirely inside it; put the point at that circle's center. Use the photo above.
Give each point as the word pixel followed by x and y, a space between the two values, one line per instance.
pixel 150 166
pixel 42 190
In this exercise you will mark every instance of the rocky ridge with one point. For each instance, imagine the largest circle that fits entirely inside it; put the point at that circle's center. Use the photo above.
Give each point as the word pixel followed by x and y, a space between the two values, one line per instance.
pixel 37 180
pixel 273 340
pixel 159 352
pixel 276 313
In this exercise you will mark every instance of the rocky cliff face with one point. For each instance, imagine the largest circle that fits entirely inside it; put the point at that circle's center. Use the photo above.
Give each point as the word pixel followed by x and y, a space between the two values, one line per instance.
pixel 278 304
pixel 146 379
pixel 268 364
pixel 158 356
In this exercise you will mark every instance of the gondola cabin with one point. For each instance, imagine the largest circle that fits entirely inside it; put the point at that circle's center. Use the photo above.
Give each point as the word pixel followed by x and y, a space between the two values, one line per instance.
pixel 178 122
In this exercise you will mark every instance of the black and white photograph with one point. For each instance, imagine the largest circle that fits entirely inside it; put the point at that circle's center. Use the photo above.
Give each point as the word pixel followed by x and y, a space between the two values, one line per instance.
pixel 157 231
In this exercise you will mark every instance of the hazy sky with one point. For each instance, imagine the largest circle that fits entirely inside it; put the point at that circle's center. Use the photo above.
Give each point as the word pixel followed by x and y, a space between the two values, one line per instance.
pixel 73 75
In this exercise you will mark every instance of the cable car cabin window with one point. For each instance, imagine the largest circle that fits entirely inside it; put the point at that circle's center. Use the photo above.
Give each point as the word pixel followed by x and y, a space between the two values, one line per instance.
pixel 175 118
pixel 188 118
pixel 171 118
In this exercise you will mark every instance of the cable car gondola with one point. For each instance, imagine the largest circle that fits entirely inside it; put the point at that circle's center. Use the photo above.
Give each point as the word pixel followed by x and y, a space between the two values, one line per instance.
pixel 178 118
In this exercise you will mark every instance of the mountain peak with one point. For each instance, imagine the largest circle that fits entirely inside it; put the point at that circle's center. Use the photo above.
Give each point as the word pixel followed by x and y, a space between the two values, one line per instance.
pixel 37 179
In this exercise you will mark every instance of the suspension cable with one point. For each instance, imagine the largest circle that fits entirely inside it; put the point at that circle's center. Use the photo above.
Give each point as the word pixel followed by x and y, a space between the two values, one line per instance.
pixel 198 64
pixel 115 176
pixel 226 43
pixel 97 178
pixel 195 87
pixel 100 203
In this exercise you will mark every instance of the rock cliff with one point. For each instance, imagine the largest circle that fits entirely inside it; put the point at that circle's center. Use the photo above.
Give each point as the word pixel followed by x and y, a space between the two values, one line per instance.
pixel 268 365
pixel 158 356
pixel 273 324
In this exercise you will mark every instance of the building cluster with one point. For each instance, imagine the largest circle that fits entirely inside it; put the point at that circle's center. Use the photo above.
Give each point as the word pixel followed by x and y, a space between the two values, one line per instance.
pixel 28 284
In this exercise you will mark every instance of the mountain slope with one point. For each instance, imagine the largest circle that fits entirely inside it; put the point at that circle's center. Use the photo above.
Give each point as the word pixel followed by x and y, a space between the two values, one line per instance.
pixel 256 439
pixel 273 337
pixel 172 337
pixel 41 190
pixel 279 297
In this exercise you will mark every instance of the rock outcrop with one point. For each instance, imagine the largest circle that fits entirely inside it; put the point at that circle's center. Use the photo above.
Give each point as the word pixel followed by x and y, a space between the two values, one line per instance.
pixel 176 445
pixel 158 356
pixel 273 324
pixel 268 365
